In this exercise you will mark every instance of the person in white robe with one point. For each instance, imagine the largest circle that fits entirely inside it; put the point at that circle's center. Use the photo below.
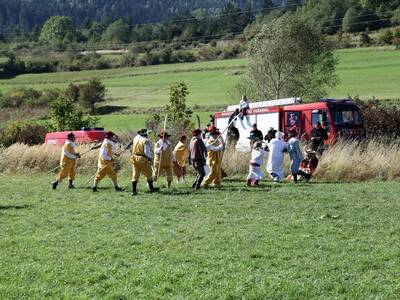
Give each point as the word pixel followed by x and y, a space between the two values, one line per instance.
pixel 257 160
pixel 277 148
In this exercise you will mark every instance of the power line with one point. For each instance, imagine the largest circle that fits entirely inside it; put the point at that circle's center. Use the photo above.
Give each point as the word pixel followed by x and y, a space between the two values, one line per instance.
pixel 101 46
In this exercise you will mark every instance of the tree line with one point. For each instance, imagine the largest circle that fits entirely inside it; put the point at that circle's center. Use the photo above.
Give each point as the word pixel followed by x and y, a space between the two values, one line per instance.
pixel 123 21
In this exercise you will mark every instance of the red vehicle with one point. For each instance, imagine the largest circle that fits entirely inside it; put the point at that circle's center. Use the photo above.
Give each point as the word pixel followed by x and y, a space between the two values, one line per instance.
pixel 341 118
pixel 84 136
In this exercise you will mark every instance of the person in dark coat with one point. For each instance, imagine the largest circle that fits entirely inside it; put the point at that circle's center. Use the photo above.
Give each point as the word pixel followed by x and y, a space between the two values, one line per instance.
pixel 318 136
pixel 198 154
pixel 233 136
pixel 255 135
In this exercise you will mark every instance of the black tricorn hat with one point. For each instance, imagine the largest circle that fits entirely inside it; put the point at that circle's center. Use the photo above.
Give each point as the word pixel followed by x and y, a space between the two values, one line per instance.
pixel 142 131
pixel 163 135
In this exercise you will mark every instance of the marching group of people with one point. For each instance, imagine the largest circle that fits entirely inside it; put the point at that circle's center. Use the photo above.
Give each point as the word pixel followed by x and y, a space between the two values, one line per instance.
pixel 204 152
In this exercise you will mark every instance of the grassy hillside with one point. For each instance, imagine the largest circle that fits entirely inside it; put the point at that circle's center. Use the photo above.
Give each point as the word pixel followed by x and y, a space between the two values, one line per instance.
pixel 135 121
pixel 368 72
pixel 280 241
pixel 365 72
pixel 209 82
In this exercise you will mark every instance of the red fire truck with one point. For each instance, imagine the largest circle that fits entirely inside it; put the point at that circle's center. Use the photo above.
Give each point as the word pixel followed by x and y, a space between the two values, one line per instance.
pixel 84 136
pixel 341 118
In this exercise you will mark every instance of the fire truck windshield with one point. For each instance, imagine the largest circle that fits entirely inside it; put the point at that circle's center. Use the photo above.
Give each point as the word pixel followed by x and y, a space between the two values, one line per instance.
pixel 346 117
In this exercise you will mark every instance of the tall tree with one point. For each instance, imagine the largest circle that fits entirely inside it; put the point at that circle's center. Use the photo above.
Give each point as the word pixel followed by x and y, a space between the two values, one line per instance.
pixel 284 65
pixel 117 32
pixel 58 29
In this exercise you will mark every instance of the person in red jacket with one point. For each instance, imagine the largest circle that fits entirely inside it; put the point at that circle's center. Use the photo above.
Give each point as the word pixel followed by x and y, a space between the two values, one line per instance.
pixel 310 163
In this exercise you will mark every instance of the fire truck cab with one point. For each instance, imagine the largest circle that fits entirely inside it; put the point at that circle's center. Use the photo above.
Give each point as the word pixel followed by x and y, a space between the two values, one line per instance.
pixel 341 119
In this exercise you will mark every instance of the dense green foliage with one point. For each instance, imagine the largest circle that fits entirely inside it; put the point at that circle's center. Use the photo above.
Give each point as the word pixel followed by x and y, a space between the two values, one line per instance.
pixel 178 114
pixel 24 132
pixel 316 241
pixel 91 93
pixel 121 21
pixel 66 115
pixel 58 29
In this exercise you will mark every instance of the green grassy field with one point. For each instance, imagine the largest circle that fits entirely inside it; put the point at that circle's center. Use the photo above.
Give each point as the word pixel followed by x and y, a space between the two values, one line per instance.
pixel 135 121
pixel 368 72
pixel 365 72
pixel 280 241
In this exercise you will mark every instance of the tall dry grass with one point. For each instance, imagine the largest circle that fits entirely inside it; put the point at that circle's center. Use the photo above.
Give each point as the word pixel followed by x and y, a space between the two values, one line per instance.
pixel 372 160
pixel 20 158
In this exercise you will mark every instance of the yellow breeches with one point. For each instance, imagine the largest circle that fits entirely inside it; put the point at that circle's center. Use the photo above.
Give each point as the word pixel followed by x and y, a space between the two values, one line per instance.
pixel 67 169
pixel 214 176
pixel 168 170
pixel 106 170
pixel 141 165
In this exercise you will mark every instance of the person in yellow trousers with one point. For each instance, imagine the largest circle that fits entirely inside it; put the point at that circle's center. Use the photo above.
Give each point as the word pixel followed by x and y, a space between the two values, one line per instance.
pixel 180 156
pixel 108 151
pixel 69 155
pixel 215 147
pixel 163 161
pixel 141 161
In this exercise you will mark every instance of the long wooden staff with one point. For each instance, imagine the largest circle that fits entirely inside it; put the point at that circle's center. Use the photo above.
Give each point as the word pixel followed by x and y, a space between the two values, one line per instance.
pixel 163 139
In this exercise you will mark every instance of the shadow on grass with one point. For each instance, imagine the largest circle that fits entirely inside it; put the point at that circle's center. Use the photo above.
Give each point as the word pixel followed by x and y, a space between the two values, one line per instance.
pixel 109 109
pixel 330 182
pixel 6 207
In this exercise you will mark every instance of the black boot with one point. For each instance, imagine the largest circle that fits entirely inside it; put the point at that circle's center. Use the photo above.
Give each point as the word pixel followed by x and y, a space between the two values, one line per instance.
pixel 294 177
pixel 152 189
pixel 70 184
pixel 248 182
pixel 306 176
pixel 134 186
pixel 118 189
pixel 94 189
pixel 54 185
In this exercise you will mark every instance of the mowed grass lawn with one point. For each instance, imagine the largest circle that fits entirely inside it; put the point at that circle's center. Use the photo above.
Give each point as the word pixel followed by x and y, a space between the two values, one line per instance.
pixel 366 72
pixel 280 241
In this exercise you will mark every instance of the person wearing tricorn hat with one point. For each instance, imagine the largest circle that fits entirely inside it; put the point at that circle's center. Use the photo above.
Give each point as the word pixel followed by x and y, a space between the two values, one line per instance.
pixel 198 154
pixel 296 157
pixel 180 156
pixel 215 147
pixel 141 160
pixel 69 155
pixel 163 161
pixel 270 134
pixel 108 151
